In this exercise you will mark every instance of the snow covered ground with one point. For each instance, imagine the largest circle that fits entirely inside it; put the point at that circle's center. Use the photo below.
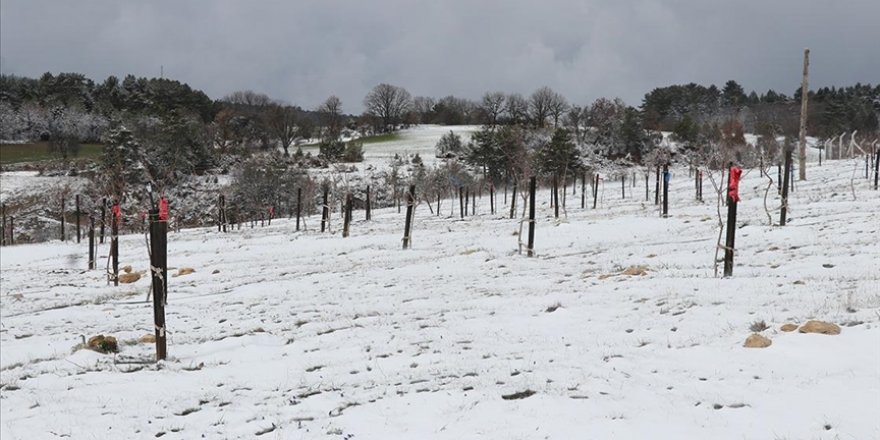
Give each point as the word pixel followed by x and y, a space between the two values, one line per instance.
pixel 288 335
pixel 419 140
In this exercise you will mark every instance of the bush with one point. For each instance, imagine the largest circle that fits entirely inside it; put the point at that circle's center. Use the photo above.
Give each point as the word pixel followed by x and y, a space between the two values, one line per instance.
pixel 449 146
pixel 354 152
pixel 331 150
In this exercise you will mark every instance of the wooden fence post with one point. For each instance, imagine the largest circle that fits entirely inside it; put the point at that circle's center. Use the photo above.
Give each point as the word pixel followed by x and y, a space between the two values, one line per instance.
pixel 492 199
pixel 666 178
pixel 700 187
pixel 531 243
pixel 584 190
pixel 63 238
pixel 513 200
pixel 474 203
pixel 596 191
pixel 461 201
pixel 3 228
pixel 159 273
pixel 103 217
pixel 298 206
pixel 410 207
pixel 92 247
pixel 78 234
pixel 786 177
pixel 369 204
pixel 623 186
pixel 325 211
pixel 555 196
pixel 114 241
pixel 731 227
pixel 876 167
pixel 347 216
pixel 657 186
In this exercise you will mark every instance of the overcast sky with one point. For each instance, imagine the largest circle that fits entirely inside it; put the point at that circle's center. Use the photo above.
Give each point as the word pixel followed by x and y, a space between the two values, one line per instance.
pixel 302 51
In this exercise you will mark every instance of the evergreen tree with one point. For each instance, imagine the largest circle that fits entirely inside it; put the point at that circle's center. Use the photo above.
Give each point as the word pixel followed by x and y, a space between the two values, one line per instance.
pixel 560 155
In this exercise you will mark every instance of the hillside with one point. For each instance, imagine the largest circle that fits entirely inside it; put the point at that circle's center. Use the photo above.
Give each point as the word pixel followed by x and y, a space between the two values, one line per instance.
pixel 285 334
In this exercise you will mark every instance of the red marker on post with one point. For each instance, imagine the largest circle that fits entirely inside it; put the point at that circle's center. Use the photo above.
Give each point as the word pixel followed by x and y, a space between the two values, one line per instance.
pixel 163 209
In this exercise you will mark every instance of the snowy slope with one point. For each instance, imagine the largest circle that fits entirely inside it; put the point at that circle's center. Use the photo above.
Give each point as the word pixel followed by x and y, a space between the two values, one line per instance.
pixel 309 335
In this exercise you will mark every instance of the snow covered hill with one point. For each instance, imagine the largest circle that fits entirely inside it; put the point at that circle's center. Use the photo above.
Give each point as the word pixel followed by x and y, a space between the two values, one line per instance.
pixel 286 335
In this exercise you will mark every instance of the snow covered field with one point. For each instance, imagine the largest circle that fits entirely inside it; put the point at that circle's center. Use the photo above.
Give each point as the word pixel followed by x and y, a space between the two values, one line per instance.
pixel 420 139
pixel 286 335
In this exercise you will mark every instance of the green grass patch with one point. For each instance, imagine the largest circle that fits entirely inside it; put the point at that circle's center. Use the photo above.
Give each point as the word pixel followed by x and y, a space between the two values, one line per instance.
pixel 374 139
pixel 39 151
pixel 377 138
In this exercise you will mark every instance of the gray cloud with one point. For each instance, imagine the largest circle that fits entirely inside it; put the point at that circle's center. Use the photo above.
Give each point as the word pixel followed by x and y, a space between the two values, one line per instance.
pixel 302 51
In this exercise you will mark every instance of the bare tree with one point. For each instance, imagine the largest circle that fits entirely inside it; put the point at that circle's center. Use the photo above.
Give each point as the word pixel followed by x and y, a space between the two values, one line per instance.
pixel 557 107
pixel 492 105
pixel 517 108
pixel 389 103
pixel 539 105
pixel 575 119
pixel 282 121
pixel 331 117
pixel 248 98
pixel 423 106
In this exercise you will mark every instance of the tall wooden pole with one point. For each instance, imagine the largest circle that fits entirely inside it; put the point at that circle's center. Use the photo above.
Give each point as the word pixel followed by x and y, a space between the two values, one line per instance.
pixel 802 151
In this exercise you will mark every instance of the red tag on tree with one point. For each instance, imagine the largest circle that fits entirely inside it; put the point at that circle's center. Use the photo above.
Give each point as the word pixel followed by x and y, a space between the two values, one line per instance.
pixel 163 209
pixel 733 189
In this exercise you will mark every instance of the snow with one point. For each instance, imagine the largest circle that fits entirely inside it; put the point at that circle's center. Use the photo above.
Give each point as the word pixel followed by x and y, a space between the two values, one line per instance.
pixel 17 184
pixel 324 337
